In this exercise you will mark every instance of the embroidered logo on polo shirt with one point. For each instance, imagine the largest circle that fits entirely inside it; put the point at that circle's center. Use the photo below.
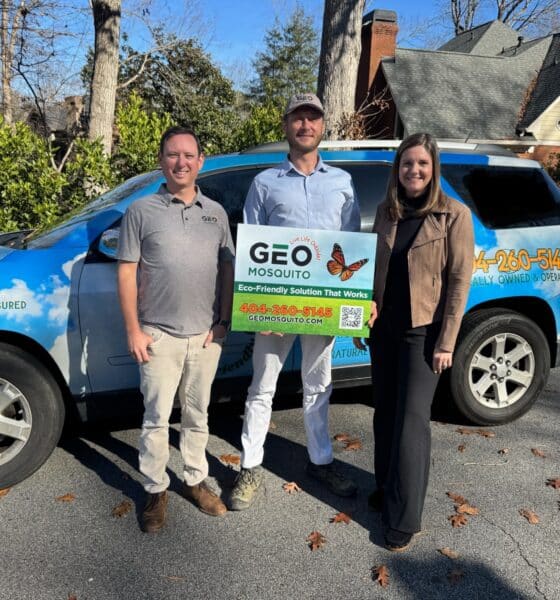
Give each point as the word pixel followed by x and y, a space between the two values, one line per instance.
pixel 207 219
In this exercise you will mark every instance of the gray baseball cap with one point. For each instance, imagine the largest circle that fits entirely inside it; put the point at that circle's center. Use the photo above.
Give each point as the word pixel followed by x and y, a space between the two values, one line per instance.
pixel 298 100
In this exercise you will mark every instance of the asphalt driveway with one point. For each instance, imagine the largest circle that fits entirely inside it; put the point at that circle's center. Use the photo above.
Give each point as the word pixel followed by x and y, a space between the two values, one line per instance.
pixel 60 539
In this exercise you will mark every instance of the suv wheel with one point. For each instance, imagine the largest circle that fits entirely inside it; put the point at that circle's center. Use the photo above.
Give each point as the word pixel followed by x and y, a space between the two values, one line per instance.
pixel 31 415
pixel 501 365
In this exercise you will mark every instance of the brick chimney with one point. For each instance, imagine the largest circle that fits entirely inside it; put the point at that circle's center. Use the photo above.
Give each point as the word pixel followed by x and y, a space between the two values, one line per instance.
pixel 379 40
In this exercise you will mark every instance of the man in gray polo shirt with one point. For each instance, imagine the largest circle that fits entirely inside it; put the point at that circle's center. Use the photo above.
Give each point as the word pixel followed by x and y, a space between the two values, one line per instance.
pixel 175 280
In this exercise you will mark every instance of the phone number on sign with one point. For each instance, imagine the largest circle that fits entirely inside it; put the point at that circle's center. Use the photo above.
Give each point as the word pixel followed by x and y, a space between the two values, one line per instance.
pixel 510 260
pixel 285 309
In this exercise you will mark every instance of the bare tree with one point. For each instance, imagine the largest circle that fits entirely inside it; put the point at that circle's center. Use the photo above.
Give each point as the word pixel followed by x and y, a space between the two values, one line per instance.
pixel 106 22
pixel 463 13
pixel 338 65
pixel 536 16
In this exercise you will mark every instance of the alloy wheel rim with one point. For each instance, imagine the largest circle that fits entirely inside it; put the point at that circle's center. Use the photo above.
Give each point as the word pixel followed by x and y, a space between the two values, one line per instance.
pixel 501 370
pixel 15 421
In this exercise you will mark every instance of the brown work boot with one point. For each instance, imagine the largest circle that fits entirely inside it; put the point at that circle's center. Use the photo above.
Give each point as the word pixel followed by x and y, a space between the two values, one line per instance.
pixel 203 497
pixel 153 516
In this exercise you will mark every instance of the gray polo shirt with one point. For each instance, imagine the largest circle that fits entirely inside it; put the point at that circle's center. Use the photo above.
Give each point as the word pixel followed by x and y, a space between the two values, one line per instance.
pixel 178 248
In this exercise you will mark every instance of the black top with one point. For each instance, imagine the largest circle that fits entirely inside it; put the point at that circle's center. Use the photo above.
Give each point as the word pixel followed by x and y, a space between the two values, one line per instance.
pixel 396 298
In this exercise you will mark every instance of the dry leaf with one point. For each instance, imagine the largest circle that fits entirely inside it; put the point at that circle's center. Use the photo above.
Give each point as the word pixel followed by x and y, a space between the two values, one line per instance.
pixel 538 452
pixel 486 433
pixel 461 448
pixel 341 437
pixel 72 597
pixel 458 520
pixel 467 509
pixel 122 509
pixel 456 498
pixel 291 487
pixel 271 426
pixel 449 553
pixel 230 459
pixel 529 515
pixel 4 492
pixel 341 518
pixel 354 444
pixel 482 432
pixel 66 498
pixel 503 451
pixel 465 431
pixel 381 575
pixel 554 483
pixel 455 575
pixel 316 540
pixel 174 578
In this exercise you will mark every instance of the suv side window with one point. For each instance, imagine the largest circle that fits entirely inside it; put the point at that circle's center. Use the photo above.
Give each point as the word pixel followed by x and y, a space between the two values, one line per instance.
pixel 370 181
pixel 229 188
pixel 506 197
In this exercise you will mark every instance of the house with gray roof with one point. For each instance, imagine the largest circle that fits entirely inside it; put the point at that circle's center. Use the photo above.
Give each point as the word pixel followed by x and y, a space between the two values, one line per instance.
pixel 487 83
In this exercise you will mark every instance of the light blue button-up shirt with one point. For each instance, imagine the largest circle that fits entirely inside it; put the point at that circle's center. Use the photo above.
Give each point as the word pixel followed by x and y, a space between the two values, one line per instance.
pixel 285 197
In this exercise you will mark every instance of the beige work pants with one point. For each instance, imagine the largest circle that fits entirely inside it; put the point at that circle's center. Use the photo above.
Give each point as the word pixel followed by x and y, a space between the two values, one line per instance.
pixel 177 366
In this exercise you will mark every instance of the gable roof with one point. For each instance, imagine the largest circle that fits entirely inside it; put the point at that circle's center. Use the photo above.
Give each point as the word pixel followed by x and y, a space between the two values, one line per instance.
pixel 488 39
pixel 459 96
pixel 547 88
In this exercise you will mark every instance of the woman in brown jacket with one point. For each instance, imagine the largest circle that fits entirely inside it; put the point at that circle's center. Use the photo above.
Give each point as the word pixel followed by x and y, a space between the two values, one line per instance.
pixel 423 270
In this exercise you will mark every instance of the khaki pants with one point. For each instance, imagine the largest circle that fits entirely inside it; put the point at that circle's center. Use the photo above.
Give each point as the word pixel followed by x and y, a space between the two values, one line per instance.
pixel 182 366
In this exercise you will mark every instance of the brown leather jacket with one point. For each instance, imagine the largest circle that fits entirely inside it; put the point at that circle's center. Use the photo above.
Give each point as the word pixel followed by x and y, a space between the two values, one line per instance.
pixel 440 263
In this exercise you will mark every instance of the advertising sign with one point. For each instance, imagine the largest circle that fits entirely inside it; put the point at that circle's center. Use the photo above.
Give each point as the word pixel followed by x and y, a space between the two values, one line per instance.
pixel 307 281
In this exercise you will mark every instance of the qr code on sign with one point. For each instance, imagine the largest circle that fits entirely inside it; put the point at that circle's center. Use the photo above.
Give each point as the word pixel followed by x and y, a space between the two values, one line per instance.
pixel 351 317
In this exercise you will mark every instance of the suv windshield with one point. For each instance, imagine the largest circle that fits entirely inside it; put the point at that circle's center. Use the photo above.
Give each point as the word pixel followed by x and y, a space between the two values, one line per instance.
pixel 43 239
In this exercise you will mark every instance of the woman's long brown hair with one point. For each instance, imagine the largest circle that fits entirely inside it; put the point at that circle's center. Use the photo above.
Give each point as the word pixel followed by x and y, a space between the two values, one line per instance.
pixel 435 199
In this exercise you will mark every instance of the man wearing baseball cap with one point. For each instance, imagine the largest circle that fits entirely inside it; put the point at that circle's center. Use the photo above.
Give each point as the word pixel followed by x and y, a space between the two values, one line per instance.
pixel 306 193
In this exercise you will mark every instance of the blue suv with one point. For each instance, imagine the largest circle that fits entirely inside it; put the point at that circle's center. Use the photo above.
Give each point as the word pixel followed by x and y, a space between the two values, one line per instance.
pixel 63 350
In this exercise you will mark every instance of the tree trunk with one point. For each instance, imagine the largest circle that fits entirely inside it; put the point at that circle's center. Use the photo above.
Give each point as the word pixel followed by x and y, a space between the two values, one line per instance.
pixel 107 21
pixel 8 39
pixel 341 45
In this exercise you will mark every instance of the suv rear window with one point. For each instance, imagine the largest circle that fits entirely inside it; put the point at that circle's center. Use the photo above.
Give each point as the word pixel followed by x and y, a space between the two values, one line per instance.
pixel 506 197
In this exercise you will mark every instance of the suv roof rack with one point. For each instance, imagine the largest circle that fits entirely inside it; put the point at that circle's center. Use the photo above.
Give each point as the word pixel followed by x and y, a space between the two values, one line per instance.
pixel 460 147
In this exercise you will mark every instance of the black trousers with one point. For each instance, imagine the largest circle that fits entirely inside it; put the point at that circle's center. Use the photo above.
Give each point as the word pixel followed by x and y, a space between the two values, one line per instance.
pixel 404 384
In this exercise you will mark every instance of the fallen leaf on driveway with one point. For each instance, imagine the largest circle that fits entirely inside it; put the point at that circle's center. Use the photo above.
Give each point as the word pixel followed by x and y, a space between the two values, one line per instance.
pixel 554 483
pixel 341 437
pixel 503 451
pixel 381 575
pixel 455 576
pixel 230 459
pixel 538 452
pixel 529 515
pixel 487 433
pixel 467 509
pixel 4 492
pixel 456 498
pixel 291 487
pixel 461 448
pixel 341 518
pixel 458 520
pixel 271 426
pixel 66 498
pixel 449 553
pixel 72 597
pixel 354 444
pixel 316 540
pixel 122 509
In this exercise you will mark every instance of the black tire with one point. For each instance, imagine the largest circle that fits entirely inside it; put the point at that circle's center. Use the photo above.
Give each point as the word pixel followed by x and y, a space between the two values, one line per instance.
pixel 485 387
pixel 30 400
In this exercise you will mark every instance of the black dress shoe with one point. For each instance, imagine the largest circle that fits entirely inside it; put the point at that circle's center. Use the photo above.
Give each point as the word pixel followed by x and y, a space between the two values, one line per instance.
pixel 397 541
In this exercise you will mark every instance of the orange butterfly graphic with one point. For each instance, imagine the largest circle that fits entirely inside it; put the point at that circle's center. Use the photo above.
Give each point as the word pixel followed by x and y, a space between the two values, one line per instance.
pixel 339 267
